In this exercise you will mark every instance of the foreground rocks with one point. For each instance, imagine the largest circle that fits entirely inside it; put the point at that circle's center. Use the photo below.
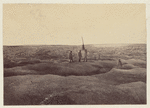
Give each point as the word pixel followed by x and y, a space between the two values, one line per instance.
pixel 114 86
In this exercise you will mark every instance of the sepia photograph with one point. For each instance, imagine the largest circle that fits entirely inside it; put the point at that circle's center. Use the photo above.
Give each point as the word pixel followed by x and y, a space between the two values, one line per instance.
pixel 74 54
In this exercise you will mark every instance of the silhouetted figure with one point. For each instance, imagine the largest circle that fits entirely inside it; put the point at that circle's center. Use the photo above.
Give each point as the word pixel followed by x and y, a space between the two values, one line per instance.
pixel 119 63
pixel 70 57
pixel 85 55
pixel 80 55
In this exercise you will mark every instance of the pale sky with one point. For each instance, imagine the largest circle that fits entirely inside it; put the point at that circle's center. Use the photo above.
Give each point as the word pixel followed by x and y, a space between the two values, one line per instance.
pixel 46 24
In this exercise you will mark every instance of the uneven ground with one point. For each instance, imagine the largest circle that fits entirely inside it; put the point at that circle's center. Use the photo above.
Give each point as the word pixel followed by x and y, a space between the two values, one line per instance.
pixel 33 75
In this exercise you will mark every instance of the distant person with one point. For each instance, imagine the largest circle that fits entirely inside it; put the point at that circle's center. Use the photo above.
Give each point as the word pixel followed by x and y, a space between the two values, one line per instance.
pixel 85 55
pixel 79 55
pixel 70 57
pixel 119 63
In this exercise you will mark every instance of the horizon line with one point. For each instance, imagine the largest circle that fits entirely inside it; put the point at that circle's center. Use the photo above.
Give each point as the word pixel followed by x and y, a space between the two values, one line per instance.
pixel 74 44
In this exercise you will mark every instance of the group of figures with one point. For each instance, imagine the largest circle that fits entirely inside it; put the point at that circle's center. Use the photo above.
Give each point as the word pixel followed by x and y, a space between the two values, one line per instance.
pixel 81 54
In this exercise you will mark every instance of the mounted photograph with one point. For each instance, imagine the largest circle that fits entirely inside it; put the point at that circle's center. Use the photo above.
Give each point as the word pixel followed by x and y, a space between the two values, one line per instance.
pixel 74 54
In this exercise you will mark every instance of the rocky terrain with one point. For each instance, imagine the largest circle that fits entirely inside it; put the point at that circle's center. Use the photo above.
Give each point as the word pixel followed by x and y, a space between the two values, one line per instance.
pixel 42 75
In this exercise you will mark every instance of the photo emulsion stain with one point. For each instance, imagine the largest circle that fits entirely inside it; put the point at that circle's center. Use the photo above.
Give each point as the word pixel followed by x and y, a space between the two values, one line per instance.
pixel 74 54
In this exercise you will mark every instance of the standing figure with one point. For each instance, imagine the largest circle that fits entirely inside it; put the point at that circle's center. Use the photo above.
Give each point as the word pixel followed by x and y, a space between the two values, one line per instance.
pixel 119 63
pixel 70 57
pixel 80 55
pixel 85 55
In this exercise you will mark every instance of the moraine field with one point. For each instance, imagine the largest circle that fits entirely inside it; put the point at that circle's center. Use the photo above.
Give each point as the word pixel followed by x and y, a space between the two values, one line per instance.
pixel 42 75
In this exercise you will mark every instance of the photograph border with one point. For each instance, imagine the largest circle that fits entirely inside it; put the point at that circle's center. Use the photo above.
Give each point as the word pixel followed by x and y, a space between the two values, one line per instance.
pixel 147 2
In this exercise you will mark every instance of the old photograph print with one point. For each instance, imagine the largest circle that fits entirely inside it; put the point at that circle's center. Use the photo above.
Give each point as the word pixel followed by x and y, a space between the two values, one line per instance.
pixel 74 54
